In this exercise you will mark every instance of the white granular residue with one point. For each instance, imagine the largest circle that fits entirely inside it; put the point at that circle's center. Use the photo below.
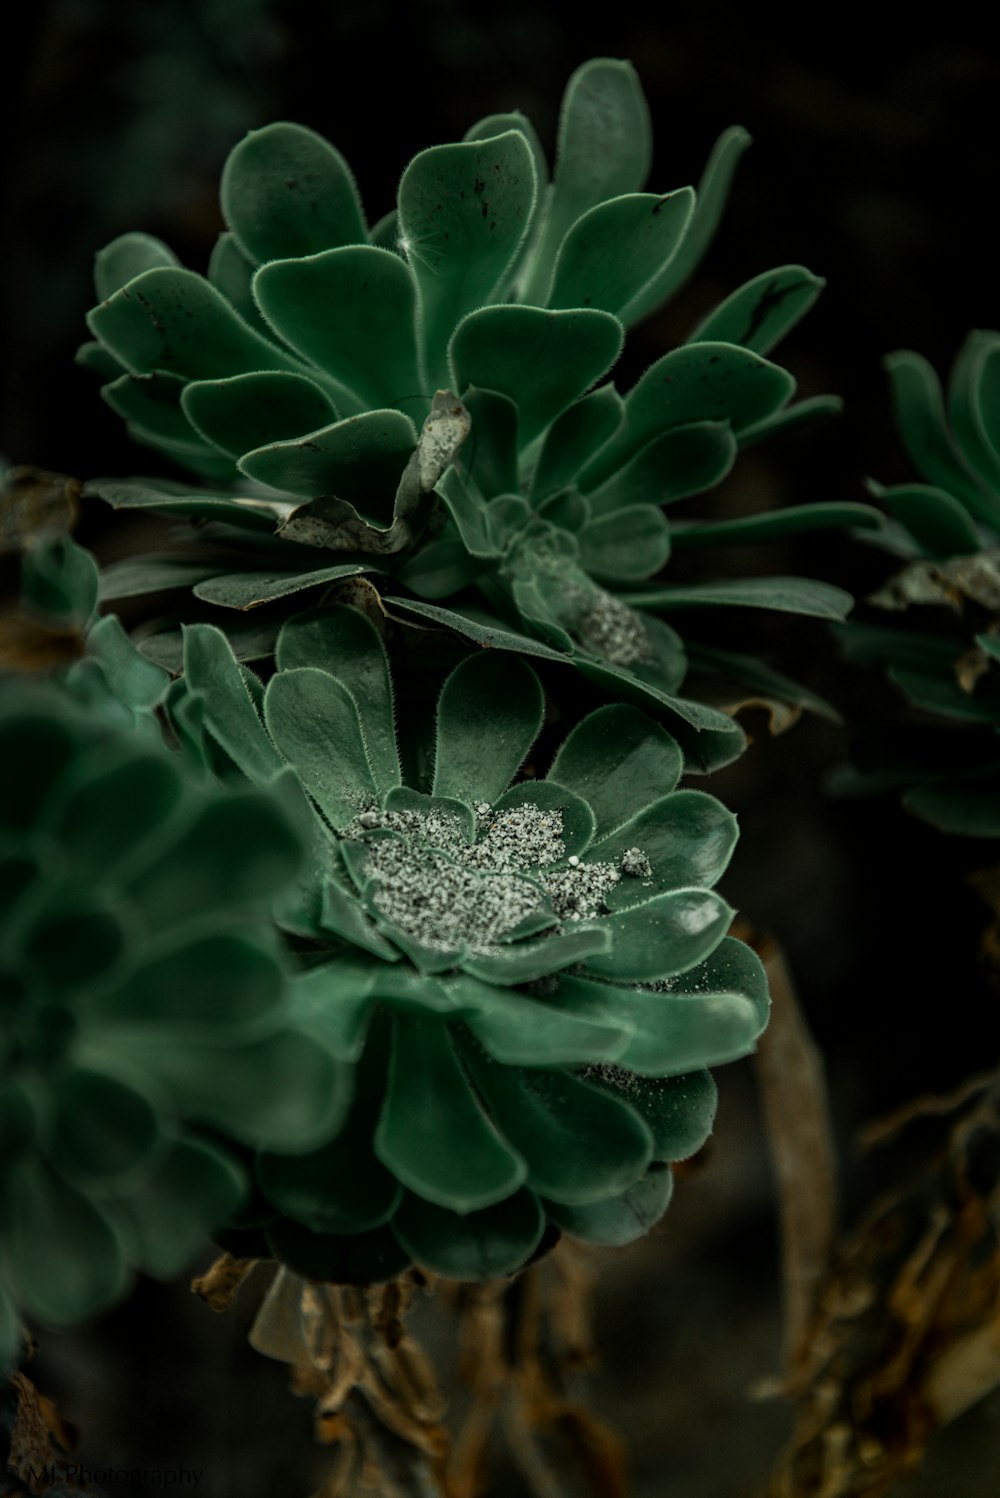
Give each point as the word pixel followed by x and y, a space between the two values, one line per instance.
pixel 446 893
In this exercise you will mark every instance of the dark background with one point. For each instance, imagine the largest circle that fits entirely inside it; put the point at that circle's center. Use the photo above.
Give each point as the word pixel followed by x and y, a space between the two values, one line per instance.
pixel 874 164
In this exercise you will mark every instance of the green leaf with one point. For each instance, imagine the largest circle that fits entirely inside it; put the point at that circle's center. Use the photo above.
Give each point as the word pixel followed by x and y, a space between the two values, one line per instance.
pixel 939 692
pixel 286 191
pixel 432 1133
pixel 580 1143
pixel 439 569
pixel 678 1110
pixel 104 812
pixel 313 720
pixel 489 714
pixel 615 249
pixel 713 1013
pixel 574 437
pixel 749 671
pixel 968 811
pixel 482 631
pixel 171 1213
pixel 759 314
pixel 694 383
pixel 352 312
pixel 788 595
pixel 232 273
pixel 151 574
pixel 171 319
pixel 541 360
pixel 481 1246
pixel 668 934
pixel 934 518
pixel 793 521
pixel 152 402
pixel 627 546
pixel 618 761
pixel 492 450
pixel 526 961
pixel 248 590
pixel 248 410
pixel 62 1255
pixel 920 415
pixel 674 465
pixel 231 717
pixel 710 200
pixel 334 1002
pixel 166 497
pixel 360 459
pixel 525 1030
pixel 790 417
pixel 619 1219
pixel 687 836
pixel 345 643
pixel 95 357
pixel 127 257
pixel 469 515
pixel 104 1130
pixel 972 393
pixel 464 211
pixel 576 817
pixel 603 150
pixel 59 580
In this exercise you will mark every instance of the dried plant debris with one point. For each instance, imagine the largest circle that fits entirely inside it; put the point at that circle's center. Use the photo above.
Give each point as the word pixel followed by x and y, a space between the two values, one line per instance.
pixel 905 1332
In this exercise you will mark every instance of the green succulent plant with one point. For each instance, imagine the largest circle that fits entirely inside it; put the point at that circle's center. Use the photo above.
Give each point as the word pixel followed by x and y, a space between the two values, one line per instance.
pixel 528 976
pixel 429 401
pixel 945 656
pixel 145 1033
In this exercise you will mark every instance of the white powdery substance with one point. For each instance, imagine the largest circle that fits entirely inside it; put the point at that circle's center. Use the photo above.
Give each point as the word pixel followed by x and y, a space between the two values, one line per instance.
pixel 444 892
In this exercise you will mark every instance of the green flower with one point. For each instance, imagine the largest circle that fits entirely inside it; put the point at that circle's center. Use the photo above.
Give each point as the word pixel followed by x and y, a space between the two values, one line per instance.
pixel 947 661
pixel 302 368
pixel 144 1016
pixel 528 975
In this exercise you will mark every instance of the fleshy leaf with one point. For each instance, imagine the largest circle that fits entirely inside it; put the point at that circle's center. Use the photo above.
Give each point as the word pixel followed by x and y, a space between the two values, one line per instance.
pixel 489 714
pixel 618 760
pixel 286 191
pixel 694 383
pixel 62 1254
pixel 710 200
pixel 576 817
pixel 360 460
pixel 248 410
pixel 920 416
pixel 574 437
pixel 542 360
pixel 248 590
pixel 342 641
pixel 972 396
pixel 464 211
pixel 352 312
pixel 432 1133
pixel 621 1219
pixel 105 1129
pixel 127 257
pixel 669 934
pixel 788 595
pixel 760 313
pixel 171 1214
pixel 603 150
pixel 615 249
pixel 793 521
pixel 671 466
pixel 314 722
pixel 936 520
pixel 174 320
pixel 687 836
pixel 492 455
pixel 152 402
pixel 479 1245
pixel 232 273
pixel 231 717
pixel 626 546
pixel 580 1143
pixel 679 1110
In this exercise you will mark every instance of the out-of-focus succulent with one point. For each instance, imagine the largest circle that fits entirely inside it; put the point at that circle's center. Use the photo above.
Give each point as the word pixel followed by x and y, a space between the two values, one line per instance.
pixel 945 657
pixel 528 976
pixel 487 311
pixel 144 1020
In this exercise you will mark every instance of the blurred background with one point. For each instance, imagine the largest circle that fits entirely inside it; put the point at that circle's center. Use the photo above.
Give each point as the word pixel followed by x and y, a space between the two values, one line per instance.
pixel 874 164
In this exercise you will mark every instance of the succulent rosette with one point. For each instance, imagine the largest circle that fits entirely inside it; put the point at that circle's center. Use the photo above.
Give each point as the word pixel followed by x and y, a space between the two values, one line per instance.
pixel 429 399
pixel 944 657
pixel 145 1032
pixel 529 975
